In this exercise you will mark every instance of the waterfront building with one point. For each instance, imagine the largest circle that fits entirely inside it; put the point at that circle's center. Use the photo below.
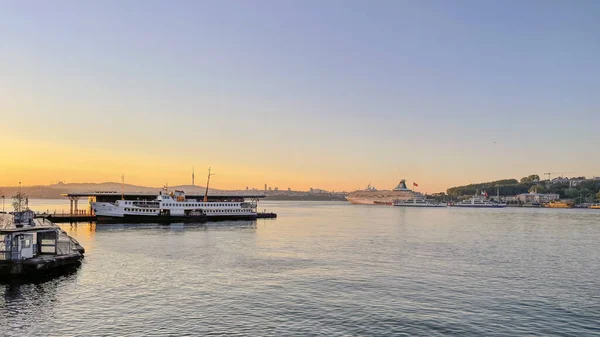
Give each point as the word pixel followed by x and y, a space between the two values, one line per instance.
pixel 529 198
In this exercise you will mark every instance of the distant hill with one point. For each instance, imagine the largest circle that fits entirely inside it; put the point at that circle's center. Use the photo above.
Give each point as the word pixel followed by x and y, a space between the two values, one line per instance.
pixel 503 187
pixel 55 190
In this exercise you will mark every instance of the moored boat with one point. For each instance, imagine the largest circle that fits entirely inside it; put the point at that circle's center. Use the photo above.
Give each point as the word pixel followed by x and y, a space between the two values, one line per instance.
pixel 558 204
pixel 478 202
pixel 32 247
pixel 372 196
pixel 419 202
pixel 173 207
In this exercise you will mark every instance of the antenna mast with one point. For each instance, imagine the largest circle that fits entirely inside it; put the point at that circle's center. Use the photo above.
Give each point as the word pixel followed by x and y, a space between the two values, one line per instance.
pixel 207 182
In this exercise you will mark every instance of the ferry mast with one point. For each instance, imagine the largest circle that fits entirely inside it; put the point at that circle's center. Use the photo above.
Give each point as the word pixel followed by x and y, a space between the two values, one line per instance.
pixel 207 182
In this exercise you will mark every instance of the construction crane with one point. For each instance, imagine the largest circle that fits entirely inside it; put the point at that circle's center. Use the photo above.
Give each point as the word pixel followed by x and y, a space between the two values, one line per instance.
pixel 550 173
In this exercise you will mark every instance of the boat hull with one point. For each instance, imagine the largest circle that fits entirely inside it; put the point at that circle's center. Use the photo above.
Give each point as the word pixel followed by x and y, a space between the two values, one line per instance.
pixel 421 206
pixel 480 206
pixel 131 219
pixel 378 197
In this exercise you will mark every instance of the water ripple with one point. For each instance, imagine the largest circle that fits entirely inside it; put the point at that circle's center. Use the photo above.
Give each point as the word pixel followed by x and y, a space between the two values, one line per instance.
pixel 327 269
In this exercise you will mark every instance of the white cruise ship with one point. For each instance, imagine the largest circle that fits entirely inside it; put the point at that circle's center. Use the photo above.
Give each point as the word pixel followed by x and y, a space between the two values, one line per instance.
pixel 372 196
pixel 173 207
pixel 419 202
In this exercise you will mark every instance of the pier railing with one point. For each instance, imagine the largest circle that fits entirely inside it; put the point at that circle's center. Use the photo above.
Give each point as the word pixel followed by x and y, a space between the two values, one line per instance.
pixel 63 214
pixel 63 247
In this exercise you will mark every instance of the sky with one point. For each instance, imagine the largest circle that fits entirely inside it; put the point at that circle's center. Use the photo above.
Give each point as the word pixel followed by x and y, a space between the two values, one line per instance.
pixel 323 94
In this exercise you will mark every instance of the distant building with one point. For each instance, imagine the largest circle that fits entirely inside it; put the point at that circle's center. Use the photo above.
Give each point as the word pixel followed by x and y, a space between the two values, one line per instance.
pixel 276 189
pixel 246 188
pixel 511 198
pixel 559 180
pixel 265 187
pixel 528 198
pixel 576 181
pixel 289 189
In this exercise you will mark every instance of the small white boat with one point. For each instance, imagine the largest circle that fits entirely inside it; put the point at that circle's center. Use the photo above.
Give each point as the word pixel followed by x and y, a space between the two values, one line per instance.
pixel 418 202
pixel 477 202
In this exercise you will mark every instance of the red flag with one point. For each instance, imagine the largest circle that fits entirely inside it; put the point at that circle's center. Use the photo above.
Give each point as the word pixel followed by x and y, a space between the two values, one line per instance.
pixel 415 184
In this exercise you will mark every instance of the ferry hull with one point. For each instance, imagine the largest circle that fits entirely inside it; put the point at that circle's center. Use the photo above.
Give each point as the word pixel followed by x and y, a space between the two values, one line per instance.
pixel 132 219
pixel 480 206
pixel 421 206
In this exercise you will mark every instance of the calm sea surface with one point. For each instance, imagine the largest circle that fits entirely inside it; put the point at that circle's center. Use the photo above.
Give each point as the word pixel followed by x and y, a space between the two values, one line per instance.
pixel 326 269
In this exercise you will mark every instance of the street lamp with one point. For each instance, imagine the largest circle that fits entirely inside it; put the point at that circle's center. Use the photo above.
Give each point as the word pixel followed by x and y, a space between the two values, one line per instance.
pixel 20 196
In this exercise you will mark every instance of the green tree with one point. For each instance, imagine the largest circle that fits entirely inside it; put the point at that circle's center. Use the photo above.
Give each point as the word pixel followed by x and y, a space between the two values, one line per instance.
pixel 571 193
pixel 19 202
pixel 598 196
pixel 538 188
pixel 530 179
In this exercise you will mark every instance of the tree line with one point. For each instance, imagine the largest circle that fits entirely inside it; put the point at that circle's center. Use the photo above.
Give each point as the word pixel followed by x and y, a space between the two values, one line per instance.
pixel 586 191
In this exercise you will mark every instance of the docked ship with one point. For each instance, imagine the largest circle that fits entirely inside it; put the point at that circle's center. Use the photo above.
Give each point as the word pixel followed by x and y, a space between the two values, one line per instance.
pixel 479 202
pixel 558 204
pixel 419 201
pixel 372 196
pixel 31 247
pixel 173 207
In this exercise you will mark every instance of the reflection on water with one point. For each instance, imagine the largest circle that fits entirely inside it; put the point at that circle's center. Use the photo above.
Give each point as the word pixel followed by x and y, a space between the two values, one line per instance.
pixel 25 301
pixel 328 269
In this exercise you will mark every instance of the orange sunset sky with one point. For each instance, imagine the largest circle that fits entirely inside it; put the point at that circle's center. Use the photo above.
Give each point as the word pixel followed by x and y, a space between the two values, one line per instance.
pixel 294 95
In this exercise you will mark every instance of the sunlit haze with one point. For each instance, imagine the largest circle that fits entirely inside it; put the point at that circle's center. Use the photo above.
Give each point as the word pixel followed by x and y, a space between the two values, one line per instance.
pixel 323 94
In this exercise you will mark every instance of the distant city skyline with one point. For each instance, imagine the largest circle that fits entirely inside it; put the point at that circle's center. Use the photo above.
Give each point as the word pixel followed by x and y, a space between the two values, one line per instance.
pixel 332 95
pixel 267 187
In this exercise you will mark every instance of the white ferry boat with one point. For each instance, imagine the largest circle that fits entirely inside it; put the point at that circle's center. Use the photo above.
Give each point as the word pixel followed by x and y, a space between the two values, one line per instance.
pixel 173 207
pixel 419 202
pixel 478 202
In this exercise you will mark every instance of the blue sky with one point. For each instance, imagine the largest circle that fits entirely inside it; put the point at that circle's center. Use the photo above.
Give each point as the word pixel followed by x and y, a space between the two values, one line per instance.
pixel 331 94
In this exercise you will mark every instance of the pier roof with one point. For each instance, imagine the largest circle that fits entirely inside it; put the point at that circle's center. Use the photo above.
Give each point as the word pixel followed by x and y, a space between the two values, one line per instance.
pixel 153 195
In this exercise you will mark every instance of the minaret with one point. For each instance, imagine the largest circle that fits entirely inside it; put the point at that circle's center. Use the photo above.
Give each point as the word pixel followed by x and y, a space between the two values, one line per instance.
pixel 193 176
